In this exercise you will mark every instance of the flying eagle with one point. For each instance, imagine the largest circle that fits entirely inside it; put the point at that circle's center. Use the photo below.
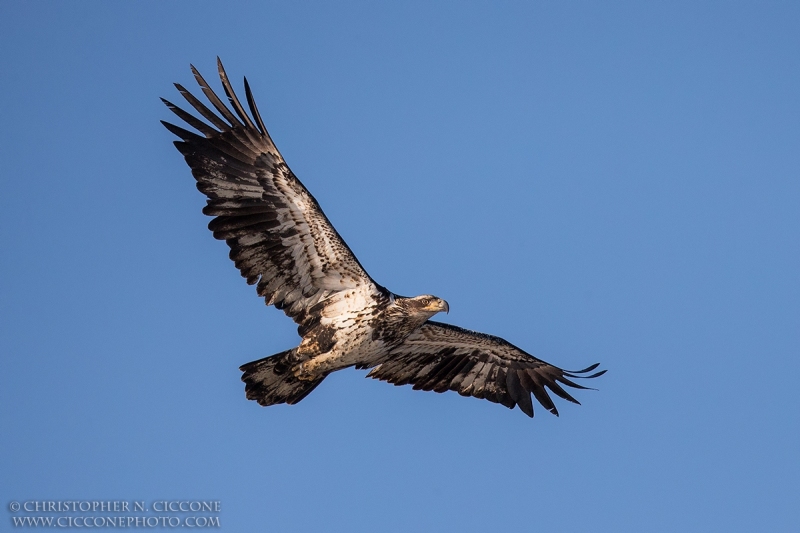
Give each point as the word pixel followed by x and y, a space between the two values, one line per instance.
pixel 282 242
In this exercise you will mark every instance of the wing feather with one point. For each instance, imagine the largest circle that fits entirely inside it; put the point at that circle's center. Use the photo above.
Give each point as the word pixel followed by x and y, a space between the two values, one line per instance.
pixel 214 99
pixel 254 109
pixel 201 108
pixel 226 86
pixel 279 237
pixel 442 357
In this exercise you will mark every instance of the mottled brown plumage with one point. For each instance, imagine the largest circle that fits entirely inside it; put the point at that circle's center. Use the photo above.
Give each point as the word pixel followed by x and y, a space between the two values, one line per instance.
pixel 282 242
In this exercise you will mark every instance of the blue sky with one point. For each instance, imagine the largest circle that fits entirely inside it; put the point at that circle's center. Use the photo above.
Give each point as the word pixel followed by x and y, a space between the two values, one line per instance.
pixel 593 182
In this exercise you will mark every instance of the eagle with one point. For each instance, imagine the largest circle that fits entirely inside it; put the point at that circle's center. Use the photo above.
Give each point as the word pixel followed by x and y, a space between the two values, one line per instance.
pixel 282 242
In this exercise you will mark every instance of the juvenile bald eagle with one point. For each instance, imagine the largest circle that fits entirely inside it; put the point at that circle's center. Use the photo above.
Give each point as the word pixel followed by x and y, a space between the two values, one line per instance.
pixel 283 243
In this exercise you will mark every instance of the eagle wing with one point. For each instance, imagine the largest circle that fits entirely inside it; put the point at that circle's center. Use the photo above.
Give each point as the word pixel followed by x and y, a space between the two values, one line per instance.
pixel 279 237
pixel 439 357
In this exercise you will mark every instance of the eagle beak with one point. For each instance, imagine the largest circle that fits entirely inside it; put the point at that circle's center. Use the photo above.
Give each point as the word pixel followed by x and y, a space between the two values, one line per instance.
pixel 437 305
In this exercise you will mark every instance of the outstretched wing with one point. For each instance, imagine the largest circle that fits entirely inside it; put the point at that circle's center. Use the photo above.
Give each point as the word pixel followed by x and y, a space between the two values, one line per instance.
pixel 279 237
pixel 440 357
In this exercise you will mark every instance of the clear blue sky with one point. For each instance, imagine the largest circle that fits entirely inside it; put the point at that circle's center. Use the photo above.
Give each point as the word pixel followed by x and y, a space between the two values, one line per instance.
pixel 616 183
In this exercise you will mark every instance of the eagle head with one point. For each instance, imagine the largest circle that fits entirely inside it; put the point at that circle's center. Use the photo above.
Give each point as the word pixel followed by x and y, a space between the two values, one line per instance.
pixel 428 305
pixel 411 313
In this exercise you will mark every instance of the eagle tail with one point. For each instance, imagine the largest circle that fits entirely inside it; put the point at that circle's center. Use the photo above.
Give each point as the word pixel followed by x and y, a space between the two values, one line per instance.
pixel 270 381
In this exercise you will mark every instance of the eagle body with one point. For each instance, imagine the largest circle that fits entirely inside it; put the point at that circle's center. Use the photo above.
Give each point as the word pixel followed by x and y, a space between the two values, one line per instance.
pixel 282 242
